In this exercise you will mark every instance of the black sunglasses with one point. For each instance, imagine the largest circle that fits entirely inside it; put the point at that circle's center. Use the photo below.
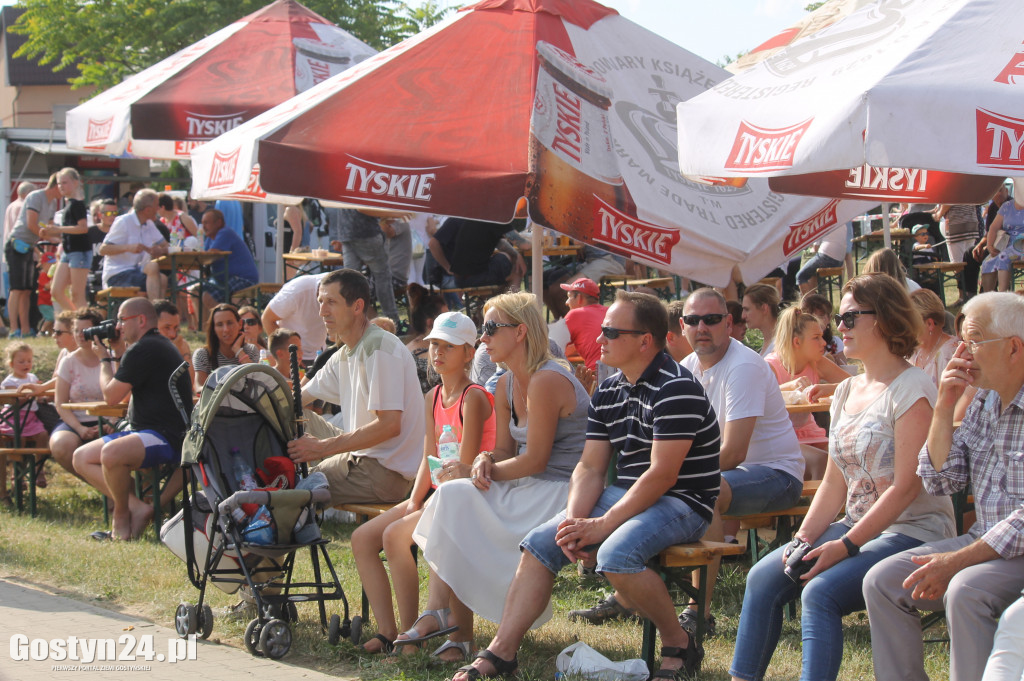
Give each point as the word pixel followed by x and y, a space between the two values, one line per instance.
pixel 490 328
pixel 708 319
pixel 611 333
pixel 251 321
pixel 849 318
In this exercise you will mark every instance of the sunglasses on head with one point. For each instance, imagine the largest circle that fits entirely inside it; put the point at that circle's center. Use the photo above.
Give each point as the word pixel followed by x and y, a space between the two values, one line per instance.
pixel 708 319
pixel 490 328
pixel 611 333
pixel 251 321
pixel 849 318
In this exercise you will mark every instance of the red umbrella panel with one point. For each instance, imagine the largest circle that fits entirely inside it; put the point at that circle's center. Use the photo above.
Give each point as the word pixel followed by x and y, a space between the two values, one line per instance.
pixel 216 84
pixel 566 103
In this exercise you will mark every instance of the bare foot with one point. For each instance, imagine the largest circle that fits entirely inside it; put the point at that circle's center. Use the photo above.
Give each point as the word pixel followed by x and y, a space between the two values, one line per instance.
pixel 140 517
pixel 121 525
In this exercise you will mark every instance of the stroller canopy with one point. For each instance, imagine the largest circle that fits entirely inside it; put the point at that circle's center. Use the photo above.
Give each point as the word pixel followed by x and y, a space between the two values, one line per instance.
pixel 235 391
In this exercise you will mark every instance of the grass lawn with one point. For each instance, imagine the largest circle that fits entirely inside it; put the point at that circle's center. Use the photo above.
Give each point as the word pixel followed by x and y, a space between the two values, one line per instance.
pixel 145 579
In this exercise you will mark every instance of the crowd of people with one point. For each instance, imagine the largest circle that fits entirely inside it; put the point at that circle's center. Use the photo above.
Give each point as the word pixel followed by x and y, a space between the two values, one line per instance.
pixel 668 430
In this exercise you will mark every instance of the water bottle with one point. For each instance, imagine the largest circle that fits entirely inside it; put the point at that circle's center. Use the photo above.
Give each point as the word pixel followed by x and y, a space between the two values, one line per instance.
pixel 264 357
pixel 448 445
pixel 243 472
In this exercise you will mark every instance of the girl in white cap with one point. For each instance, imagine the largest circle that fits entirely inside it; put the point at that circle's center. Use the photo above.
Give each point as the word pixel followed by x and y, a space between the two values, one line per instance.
pixel 468 410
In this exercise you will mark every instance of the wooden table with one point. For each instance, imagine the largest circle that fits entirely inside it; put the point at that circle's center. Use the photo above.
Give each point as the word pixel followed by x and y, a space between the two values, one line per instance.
pixel 808 408
pixel 308 263
pixel 23 459
pixel 99 409
pixel 187 264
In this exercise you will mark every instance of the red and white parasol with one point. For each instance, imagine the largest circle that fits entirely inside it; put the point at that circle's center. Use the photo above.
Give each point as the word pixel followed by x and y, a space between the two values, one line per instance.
pixel 216 84
pixel 893 101
pixel 562 101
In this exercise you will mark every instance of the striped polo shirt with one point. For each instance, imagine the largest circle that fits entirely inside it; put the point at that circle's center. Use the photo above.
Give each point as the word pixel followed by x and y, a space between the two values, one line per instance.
pixel 667 403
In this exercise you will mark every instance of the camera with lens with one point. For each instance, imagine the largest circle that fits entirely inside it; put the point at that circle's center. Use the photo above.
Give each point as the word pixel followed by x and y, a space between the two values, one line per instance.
pixel 106 330
pixel 794 554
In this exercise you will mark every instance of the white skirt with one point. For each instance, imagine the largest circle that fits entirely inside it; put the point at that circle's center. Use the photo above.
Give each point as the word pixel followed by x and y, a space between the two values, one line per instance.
pixel 471 538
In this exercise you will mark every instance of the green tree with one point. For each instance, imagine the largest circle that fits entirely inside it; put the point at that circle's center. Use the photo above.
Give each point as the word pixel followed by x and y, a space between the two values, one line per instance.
pixel 425 15
pixel 810 7
pixel 110 40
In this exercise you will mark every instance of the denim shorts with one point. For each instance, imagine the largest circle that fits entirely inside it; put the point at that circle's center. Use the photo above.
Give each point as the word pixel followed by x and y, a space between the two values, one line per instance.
pixel 133 277
pixel 811 268
pixel 628 549
pixel 759 489
pixel 78 260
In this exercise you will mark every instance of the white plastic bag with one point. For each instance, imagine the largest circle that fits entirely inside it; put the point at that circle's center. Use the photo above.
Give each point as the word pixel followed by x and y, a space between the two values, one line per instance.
pixel 579 658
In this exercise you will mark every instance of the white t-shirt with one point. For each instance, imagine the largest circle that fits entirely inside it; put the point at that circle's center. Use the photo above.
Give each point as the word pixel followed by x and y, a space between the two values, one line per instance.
pixel 299 311
pixel 127 230
pixel 834 244
pixel 377 374
pixel 743 385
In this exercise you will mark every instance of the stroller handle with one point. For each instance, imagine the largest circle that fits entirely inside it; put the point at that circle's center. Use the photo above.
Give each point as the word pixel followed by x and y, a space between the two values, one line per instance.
pixel 172 383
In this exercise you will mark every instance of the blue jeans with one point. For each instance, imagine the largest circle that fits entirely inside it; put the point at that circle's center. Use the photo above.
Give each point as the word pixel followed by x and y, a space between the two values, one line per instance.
pixel 825 600
pixel 759 489
pixel 811 268
pixel 627 550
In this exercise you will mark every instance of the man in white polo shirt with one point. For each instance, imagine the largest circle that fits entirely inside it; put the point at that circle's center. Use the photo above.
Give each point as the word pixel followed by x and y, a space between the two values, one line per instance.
pixel 373 378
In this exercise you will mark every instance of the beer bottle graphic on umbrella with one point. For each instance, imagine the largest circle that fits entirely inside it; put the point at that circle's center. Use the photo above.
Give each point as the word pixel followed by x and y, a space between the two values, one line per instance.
pixel 573 165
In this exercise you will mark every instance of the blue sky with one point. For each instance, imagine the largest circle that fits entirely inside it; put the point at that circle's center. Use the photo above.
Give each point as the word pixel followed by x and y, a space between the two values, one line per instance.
pixel 713 28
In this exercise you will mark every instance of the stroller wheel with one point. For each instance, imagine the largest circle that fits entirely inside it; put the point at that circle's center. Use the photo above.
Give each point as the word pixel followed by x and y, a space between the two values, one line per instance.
pixel 205 622
pixel 357 630
pixel 186 620
pixel 334 630
pixel 276 639
pixel 252 637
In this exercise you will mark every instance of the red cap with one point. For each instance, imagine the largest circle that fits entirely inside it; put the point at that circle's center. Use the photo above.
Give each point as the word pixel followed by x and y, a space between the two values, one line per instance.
pixel 584 285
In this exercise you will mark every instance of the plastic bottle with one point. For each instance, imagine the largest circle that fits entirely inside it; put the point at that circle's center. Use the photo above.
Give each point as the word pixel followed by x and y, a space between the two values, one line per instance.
pixel 448 445
pixel 244 477
pixel 264 357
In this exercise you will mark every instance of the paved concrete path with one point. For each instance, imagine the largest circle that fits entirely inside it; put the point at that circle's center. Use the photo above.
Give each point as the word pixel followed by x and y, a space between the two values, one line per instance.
pixel 28 612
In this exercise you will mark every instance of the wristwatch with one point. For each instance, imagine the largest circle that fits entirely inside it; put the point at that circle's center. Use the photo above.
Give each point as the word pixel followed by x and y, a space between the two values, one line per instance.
pixel 851 548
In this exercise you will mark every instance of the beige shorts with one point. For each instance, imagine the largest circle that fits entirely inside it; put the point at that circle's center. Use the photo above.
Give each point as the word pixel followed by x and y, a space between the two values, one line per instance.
pixel 354 478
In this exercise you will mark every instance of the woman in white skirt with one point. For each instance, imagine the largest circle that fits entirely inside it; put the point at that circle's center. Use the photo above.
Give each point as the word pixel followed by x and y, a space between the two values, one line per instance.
pixel 471 528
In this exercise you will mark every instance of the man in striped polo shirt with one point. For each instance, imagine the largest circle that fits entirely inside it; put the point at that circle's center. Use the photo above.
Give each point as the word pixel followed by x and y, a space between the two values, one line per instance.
pixel 655 416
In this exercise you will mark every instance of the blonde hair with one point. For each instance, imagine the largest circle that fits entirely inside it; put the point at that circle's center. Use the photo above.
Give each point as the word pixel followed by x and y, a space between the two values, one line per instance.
pixel 522 308
pixel 13 348
pixel 792 323
pixel 929 305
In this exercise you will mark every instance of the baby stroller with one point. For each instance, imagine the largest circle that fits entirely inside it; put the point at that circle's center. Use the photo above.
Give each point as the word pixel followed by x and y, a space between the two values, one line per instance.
pixel 248 510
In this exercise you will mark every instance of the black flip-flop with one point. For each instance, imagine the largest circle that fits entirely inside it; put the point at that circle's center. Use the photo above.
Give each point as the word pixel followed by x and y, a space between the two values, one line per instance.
pixel 101 535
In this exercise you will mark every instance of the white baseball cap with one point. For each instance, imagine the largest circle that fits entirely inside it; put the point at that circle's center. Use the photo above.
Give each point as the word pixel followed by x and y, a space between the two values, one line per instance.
pixel 453 327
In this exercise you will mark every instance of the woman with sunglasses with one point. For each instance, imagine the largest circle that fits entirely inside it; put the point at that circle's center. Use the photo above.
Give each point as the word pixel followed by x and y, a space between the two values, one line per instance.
pixel 252 326
pixel 78 380
pixel 471 528
pixel 225 344
pixel 880 421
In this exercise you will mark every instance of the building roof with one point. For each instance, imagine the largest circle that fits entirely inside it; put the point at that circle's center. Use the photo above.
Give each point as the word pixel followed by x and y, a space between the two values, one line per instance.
pixel 22 71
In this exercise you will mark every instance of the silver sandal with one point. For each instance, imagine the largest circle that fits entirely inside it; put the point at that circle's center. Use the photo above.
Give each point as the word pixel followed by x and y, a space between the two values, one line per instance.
pixel 414 638
pixel 464 646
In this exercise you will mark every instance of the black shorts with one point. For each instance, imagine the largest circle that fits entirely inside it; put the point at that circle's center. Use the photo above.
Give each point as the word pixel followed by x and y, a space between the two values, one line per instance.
pixel 21 268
